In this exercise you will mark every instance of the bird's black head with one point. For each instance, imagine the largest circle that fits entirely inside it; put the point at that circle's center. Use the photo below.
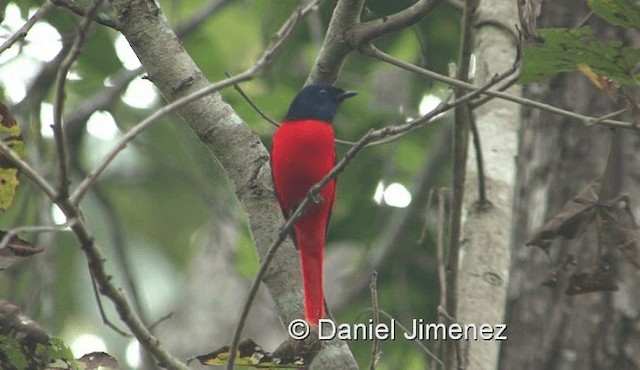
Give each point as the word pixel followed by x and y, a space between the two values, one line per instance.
pixel 318 101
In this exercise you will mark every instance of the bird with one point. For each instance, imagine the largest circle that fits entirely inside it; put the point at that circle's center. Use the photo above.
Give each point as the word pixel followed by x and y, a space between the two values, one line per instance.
pixel 302 153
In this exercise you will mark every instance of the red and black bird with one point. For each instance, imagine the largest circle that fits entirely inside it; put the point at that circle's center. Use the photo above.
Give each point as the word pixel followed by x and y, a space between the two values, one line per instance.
pixel 302 153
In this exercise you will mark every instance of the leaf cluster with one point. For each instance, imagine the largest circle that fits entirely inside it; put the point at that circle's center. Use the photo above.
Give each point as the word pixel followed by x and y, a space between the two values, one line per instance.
pixel 564 50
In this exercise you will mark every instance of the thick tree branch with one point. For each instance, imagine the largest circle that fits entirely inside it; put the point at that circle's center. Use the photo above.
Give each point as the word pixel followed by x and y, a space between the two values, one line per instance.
pixel 334 50
pixel 346 33
pixel 368 31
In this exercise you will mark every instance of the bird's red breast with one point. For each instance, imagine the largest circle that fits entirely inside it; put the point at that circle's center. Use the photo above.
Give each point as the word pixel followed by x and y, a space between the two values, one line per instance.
pixel 303 153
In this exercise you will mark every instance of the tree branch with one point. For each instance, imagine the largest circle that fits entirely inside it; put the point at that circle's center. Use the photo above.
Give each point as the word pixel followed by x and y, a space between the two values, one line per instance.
pixel 368 31
pixel 378 54
pixel 58 129
pixel 22 31
pixel 334 50
pixel 74 7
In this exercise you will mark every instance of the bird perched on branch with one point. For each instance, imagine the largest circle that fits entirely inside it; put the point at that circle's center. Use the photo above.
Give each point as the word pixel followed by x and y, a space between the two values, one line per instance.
pixel 303 153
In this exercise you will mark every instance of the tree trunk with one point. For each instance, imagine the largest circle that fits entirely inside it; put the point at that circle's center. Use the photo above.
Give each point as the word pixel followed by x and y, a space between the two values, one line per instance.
pixel 486 245
pixel 548 329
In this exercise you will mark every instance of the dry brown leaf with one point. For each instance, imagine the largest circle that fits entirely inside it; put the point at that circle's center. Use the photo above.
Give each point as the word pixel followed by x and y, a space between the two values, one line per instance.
pixel 577 212
pixel 618 228
pixel 15 250
pixel 589 282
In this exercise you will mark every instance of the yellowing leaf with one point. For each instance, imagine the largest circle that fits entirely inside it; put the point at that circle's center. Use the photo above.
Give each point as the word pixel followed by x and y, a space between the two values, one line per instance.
pixel 9 174
pixel 601 82
pixel 252 355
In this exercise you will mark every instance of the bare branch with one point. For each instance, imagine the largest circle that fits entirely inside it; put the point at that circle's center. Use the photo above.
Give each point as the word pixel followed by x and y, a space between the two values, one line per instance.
pixel 34 229
pixel 58 129
pixel 416 341
pixel 368 31
pixel 375 310
pixel 27 170
pixel 378 54
pixel 334 50
pixel 78 9
pixel 103 313
pixel 22 32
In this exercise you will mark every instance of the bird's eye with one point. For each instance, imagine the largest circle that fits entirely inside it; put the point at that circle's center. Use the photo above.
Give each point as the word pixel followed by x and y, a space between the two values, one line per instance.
pixel 323 92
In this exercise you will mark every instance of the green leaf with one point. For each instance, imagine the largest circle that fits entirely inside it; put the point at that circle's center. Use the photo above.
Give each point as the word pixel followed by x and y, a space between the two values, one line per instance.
pixel 10 135
pixel 619 12
pixel 564 50
pixel 61 355
pixel 11 349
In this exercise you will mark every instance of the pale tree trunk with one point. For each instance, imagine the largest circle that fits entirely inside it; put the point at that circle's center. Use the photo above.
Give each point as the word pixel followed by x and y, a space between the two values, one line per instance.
pixel 486 245
pixel 558 157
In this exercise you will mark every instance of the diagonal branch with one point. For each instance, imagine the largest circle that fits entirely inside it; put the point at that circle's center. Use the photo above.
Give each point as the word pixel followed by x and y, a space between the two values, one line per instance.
pixel 368 31
pixel 346 33
pixel 374 52
pixel 22 31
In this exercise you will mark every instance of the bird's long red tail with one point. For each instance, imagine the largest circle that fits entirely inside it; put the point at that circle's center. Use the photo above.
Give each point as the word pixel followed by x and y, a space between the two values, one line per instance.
pixel 310 234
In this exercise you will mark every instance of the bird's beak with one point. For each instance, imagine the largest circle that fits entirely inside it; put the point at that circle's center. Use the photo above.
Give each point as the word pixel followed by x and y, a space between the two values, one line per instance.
pixel 346 94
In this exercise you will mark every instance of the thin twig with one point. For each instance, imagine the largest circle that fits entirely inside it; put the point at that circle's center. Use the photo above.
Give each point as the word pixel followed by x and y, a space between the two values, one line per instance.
pixel 368 31
pixel 117 233
pixel 606 116
pixel 415 340
pixel 458 349
pixel 584 20
pixel 103 313
pixel 22 31
pixel 253 105
pixel 442 276
pixel 100 18
pixel 425 225
pixel 272 121
pixel 483 202
pixel 27 170
pixel 373 52
pixel 58 129
pixel 34 229
pixel 160 320
pixel 373 287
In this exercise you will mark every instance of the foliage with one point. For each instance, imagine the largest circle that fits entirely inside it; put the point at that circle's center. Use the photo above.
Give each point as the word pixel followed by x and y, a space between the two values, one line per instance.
pixel 565 50
pixel 10 135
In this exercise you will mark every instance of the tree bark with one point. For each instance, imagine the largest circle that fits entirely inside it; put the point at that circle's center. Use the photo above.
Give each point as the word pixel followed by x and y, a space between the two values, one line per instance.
pixel 486 245
pixel 558 157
